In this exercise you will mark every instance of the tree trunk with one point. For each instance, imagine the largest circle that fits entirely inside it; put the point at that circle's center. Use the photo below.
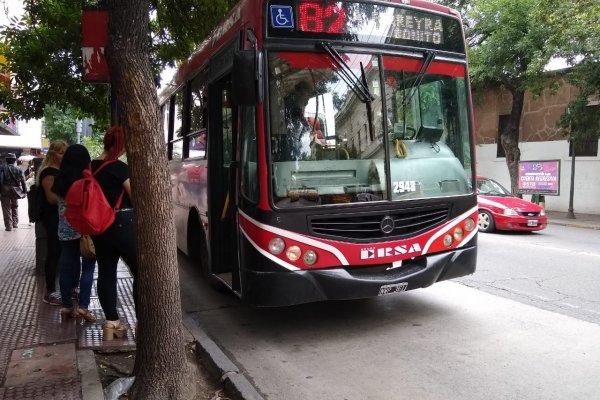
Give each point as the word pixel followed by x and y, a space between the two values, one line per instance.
pixel 160 365
pixel 510 139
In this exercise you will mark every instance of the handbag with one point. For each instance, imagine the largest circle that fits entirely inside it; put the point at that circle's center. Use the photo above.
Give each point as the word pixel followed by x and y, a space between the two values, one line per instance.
pixel 17 192
pixel 86 247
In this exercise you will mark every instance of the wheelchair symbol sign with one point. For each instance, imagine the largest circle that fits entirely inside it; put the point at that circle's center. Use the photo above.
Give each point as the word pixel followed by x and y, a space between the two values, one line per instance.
pixel 282 17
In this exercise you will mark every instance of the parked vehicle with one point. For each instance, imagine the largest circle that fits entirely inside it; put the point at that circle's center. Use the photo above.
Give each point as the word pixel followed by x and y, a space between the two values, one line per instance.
pixel 499 209
pixel 320 150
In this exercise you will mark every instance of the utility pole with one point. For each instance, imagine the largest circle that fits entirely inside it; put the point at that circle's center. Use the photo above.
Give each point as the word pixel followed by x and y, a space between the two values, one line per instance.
pixel 570 211
pixel 78 124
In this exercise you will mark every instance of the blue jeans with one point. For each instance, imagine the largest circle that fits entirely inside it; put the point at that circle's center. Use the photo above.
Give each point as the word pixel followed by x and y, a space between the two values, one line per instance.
pixel 71 263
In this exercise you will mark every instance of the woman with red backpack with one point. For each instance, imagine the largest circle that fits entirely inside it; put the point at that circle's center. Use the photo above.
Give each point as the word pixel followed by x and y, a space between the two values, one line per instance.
pixel 119 240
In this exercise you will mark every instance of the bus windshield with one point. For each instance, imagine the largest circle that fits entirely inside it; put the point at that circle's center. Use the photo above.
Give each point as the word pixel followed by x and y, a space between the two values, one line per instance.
pixel 327 128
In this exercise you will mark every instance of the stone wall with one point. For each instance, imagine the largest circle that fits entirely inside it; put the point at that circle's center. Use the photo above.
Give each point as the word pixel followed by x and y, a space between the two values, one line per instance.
pixel 540 113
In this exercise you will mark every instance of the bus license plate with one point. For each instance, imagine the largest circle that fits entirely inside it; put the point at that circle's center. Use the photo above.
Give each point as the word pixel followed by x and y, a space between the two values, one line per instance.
pixel 393 288
pixel 532 222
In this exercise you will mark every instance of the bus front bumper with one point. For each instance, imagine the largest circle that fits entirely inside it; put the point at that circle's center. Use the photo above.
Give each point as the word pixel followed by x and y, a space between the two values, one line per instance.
pixel 283 288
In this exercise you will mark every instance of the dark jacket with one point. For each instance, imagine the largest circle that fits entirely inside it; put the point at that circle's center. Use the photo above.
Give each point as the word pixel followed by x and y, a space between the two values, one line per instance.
pixel 11 175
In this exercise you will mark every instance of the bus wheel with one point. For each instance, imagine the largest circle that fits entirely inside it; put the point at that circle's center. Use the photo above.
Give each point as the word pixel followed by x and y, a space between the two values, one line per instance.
pixel 198 249
pixel 197 245
pixel 486 221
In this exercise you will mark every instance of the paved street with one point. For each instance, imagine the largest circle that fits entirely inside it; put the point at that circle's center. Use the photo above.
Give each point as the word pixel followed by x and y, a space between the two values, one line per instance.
pixel 557 269
pixel 449 341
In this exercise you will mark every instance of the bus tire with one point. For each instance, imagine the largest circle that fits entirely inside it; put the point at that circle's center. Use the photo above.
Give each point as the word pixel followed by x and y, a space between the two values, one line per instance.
pixel 198 250
pixel 197 247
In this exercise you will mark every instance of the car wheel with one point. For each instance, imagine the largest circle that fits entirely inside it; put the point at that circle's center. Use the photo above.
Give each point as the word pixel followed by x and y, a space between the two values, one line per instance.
pixel 486 221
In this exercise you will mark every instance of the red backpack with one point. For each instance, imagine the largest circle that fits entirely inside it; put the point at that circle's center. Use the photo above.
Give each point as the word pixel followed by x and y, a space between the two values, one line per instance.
pixel 88 211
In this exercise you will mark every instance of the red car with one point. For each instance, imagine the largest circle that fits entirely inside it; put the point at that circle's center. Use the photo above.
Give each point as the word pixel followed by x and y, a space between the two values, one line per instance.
pixel 499 209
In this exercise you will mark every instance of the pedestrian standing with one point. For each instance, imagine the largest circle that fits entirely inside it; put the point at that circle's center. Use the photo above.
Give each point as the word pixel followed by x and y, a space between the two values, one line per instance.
pixel 75 160
pixel 119 240
pixel 12 188
pixel 45 180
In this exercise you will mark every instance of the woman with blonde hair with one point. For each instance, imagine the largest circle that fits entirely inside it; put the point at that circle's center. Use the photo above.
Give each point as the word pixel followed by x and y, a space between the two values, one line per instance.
pixel 48 170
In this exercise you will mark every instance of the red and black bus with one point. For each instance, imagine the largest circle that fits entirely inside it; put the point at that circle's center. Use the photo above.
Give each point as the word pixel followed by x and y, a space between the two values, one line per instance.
pixel 321 150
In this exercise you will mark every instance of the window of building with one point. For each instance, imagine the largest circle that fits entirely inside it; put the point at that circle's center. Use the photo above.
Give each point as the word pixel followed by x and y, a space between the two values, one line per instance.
pixel 587 148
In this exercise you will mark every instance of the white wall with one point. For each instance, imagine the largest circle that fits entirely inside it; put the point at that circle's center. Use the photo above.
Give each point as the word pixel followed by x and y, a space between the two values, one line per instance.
pixel 587 173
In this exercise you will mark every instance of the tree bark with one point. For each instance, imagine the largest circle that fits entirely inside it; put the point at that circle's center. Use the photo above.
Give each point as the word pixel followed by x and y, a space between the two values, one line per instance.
pixel 510 139
pixel 160 366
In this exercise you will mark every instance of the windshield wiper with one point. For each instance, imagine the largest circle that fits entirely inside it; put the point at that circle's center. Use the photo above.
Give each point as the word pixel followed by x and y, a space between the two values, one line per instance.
pixel 359 86
pixel 368 103
pixel 429 57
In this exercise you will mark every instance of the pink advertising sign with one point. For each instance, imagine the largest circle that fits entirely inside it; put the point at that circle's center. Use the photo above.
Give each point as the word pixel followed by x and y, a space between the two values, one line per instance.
pixel 539 177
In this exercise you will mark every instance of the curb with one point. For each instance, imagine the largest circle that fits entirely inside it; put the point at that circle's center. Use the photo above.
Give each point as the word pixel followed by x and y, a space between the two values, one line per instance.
pixel 219 365
pixel 91 388
pixel 574 225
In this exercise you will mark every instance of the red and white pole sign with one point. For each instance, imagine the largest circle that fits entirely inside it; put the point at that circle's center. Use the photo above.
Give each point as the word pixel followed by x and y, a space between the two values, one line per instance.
pixel 94 38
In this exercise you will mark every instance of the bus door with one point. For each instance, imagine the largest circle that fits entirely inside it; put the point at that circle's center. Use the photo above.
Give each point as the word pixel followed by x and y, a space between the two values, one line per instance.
pixel 222 200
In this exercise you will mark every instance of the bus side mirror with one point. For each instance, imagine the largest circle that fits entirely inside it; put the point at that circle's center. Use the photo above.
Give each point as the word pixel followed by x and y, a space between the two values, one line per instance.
pixel 247 77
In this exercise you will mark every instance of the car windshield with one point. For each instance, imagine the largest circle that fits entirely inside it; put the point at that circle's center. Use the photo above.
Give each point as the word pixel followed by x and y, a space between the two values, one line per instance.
pixel 489 187
pixel 327 128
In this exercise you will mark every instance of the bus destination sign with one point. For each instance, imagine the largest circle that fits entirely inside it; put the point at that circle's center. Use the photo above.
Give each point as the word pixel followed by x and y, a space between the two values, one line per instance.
pixel 408 26
pixel 366 23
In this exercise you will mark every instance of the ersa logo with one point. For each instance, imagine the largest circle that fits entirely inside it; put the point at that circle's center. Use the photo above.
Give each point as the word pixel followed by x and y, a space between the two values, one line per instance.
pixel 383 252
pixel 282 17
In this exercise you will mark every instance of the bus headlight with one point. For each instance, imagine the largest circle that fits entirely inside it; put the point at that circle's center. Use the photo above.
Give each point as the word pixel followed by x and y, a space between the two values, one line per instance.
pixel 310 257
pixel 469 224
pixel 293 253
pixel 458 233
pixel 448 240
pixel 276 246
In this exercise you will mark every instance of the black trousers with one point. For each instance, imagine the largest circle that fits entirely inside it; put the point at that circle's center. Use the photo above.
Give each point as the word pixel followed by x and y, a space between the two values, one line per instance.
pixel 51 265
pixel 118 241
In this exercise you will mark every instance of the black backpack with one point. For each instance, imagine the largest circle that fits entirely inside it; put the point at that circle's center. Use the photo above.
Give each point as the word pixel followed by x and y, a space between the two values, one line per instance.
pixel 35 202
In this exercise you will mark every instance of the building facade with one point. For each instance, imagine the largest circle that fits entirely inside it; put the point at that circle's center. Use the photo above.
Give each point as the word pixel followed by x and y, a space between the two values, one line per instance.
pixel 540 139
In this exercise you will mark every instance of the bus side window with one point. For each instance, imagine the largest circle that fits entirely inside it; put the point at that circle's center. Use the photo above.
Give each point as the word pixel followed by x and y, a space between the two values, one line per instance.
pixel 249 156
pixel 198 117
pixel 174 119
pixel 177 150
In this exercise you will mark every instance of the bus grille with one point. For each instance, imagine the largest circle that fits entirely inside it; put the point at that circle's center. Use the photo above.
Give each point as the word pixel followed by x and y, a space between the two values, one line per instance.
pixel 369 226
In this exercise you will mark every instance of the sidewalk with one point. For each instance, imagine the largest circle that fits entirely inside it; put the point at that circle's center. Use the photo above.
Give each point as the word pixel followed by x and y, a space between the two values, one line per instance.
pixel 588 221
pixel 44 358
pixel 40 356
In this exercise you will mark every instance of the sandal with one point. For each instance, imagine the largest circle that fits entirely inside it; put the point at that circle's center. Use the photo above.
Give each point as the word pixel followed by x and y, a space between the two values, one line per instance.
pixel 85 314
pixel 66 313
pixel 110 329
